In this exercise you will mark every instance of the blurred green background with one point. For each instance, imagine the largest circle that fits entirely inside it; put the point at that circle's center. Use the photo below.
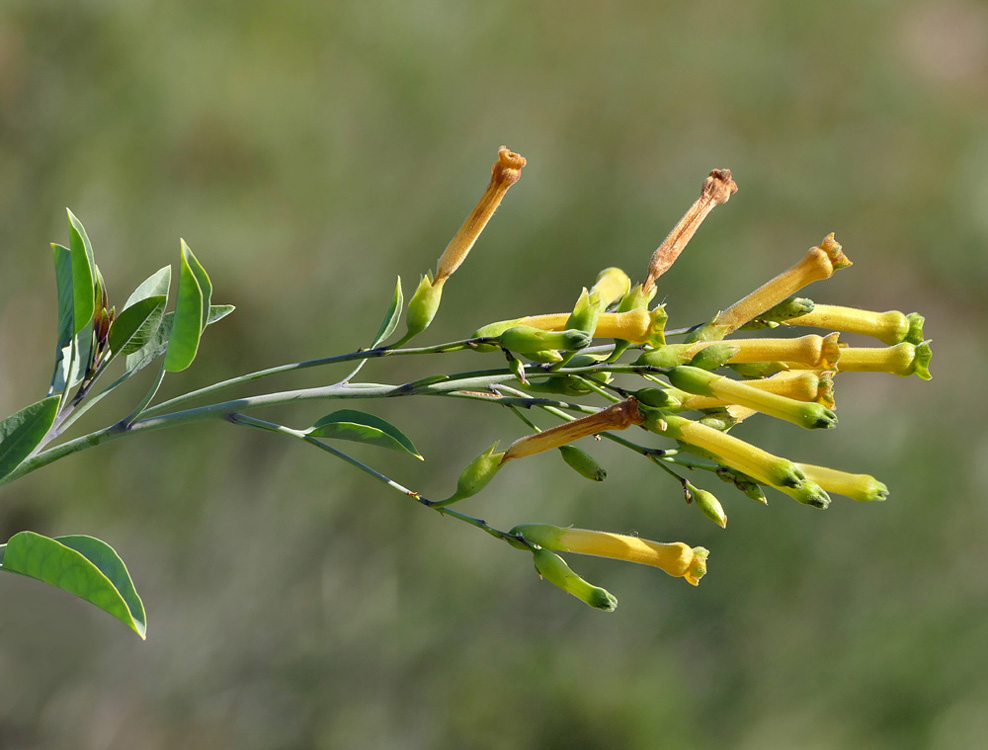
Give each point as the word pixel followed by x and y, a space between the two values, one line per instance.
pixel 310 152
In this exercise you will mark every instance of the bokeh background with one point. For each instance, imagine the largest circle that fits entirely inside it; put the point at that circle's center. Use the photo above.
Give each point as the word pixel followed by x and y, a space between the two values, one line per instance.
pixel 310 152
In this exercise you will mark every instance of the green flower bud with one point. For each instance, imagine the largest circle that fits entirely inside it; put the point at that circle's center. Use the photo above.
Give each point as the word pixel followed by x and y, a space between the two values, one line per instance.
pixel 555 570
pixel 714 356
pixel 744 483
pixel 788 308
pixel 661 398
pixel 758 369
pixel 808 493
pixel 477 475
pixel 582 462
pixel 423 305
pixel 709 504
pixel 495 329
pixel 528 340
pixel 669 355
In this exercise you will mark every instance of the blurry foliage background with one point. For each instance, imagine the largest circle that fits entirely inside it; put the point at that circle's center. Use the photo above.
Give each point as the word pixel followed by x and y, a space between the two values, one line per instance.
pixel 309 152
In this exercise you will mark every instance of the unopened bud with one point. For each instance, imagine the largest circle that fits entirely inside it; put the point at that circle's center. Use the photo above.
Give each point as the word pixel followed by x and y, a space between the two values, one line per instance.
pixel 554 569
pixel 423 305
pixel 860 487
pixel 477 475
pixel 780 313
pixel 582 462
pixel 709 504
pixel 528 340
pixel 714 356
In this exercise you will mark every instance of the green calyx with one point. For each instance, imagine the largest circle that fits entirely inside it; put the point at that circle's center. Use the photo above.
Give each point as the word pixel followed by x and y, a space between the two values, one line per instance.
pixel 423 305
pixel 528 340
pixel 476 475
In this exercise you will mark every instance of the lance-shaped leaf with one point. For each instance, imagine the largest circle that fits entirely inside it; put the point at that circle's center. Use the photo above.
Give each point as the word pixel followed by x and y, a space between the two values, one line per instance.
pixel 23 431
pixel 183 343
pixel 391 318
pixel 204 283
pixel 361 427
pixel 81 565
pixel 66 321
pixel 135 326
pixel 83 274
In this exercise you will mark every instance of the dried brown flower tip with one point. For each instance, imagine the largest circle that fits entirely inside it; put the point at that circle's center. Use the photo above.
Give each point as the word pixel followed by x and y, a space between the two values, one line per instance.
pixel 620 416
pixel 505 173
pixel 717 189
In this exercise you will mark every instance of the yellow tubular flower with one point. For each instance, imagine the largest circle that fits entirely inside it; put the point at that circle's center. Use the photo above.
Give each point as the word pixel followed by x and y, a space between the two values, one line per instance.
pixel 860 487
pixel 704 383
pixel 902 359
pixel 505 173
pixel 758 464
pixel 819 263
pixel 890 327
pixel 810 352
pixel 675 558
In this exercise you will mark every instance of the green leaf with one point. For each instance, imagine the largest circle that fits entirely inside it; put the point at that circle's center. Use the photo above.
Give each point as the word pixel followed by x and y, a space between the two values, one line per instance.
pixel 23 431
pixel 391 318
pixel 135 326
pixel 154 285
pixel 204 283
pixel 81 565
pixel 83 276
pixel 218 312
pixel 66 322
pixel 188 324
pixel 360 427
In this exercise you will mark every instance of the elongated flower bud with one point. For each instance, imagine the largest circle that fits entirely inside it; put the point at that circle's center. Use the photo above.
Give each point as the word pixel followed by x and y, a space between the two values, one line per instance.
pixel 805 414
pixel 717 189
pixel 528 340
pixel 860 487
pixel 620 416
pixel 612 285
pixel 819 263
pixel 709 504
pixel 892 327
pixel 746 458
pixel 640 325
pixel 902 359
pixel 555 570
pixel 583 463
pixel 675 558
pixel 811 352
pixel 780 313
pixel 505 173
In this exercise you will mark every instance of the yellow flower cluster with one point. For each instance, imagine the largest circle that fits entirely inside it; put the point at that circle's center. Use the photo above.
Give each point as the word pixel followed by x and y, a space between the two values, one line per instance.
pixel 683 397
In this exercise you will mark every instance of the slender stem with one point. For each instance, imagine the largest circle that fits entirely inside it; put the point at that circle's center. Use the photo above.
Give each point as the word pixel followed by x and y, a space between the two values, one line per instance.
pixel 513 539
pixel 148 397
pixel 382 351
